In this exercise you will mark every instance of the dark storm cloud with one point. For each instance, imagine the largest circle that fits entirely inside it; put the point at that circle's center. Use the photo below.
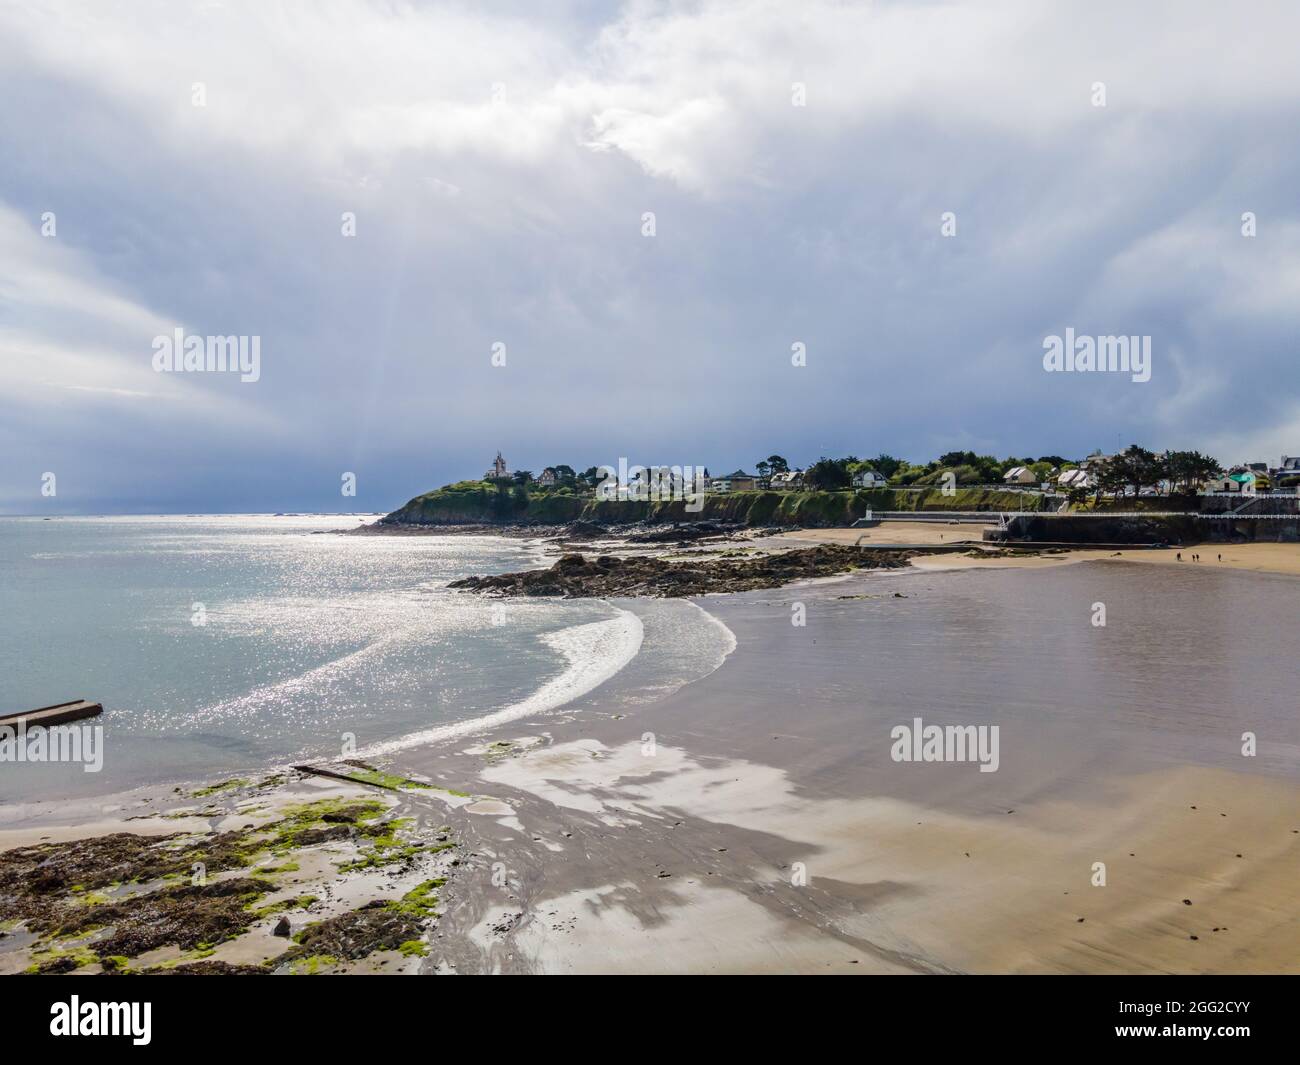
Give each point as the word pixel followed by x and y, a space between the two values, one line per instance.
pixel 499 166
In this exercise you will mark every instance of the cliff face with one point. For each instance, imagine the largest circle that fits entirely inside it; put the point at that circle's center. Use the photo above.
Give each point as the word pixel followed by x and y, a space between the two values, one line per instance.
pixel 477 503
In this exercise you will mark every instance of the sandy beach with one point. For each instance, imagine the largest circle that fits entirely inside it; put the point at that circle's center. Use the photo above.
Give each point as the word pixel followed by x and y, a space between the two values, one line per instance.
pixel 712 885
pixel 754 821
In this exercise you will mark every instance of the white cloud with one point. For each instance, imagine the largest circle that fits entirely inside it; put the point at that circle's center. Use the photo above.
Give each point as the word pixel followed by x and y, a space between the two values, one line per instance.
pixel 69 329
pixel 699 94
pixel 499 160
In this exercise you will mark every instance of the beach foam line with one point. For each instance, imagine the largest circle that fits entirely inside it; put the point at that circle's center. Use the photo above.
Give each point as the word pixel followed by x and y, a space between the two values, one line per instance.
pixel 684 643
pixel 729 643
pixel 595 652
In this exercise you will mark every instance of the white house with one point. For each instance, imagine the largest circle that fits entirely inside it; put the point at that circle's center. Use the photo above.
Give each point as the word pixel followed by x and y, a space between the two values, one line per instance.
pixel 787 479
pixel 869 479
pixel 1019 475
pixel 1075 478
pixel 547 476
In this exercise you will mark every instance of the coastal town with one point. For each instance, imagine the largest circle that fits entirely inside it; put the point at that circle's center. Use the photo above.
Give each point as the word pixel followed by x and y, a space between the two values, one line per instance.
pixel 1134 472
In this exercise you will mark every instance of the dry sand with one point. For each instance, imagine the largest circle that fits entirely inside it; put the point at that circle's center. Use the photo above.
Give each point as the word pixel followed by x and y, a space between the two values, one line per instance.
pixel 884 885
pixel 897 532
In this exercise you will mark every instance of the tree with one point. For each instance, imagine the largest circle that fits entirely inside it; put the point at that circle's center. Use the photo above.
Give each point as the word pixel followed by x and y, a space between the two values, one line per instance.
pixel 828 474
pixel 777 464
pixel 1190 469
pixel 1134 467
pixel 990 470
pixel 565 474
pixel 963 474
pixel 1145 468
pixel 908 474
pixel 763 468
pixel 523 477
pixel 886 465
pixel 970 468
pixel 1111 476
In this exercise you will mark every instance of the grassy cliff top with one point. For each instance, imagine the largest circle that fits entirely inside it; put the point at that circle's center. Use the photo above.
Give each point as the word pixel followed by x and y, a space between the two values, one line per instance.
pixel 481 502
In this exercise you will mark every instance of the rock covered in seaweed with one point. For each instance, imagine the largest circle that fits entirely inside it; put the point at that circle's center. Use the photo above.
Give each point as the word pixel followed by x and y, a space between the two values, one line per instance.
pixel 576 575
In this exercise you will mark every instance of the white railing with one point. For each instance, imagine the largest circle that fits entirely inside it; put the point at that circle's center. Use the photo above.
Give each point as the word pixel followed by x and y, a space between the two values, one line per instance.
pixel 1150 514
pixel 1284 493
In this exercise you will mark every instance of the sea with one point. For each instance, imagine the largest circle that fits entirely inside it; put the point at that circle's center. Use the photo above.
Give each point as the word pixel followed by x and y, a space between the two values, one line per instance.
pixel 237 644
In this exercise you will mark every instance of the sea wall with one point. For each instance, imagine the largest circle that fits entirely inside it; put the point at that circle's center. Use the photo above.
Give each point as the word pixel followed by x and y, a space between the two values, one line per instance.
pixel 1165 529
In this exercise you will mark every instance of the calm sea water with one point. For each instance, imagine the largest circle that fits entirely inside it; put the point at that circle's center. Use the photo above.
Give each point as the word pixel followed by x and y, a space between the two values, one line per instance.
pixel 305 635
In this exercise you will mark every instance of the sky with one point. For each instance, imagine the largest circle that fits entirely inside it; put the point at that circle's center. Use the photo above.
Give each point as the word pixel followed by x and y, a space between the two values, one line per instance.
pixel 691 233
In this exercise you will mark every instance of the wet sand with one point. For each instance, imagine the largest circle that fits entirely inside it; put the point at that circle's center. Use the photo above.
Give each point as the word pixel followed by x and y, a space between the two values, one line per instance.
pixel 694 867
pixel 753 822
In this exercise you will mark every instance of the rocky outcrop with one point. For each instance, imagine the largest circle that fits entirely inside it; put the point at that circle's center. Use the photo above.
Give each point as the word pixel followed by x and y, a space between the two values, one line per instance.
pixel 578 576
pixel 684 532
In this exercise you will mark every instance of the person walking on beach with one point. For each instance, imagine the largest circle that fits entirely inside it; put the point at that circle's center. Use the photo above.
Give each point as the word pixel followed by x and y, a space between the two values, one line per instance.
pixel 1179 556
